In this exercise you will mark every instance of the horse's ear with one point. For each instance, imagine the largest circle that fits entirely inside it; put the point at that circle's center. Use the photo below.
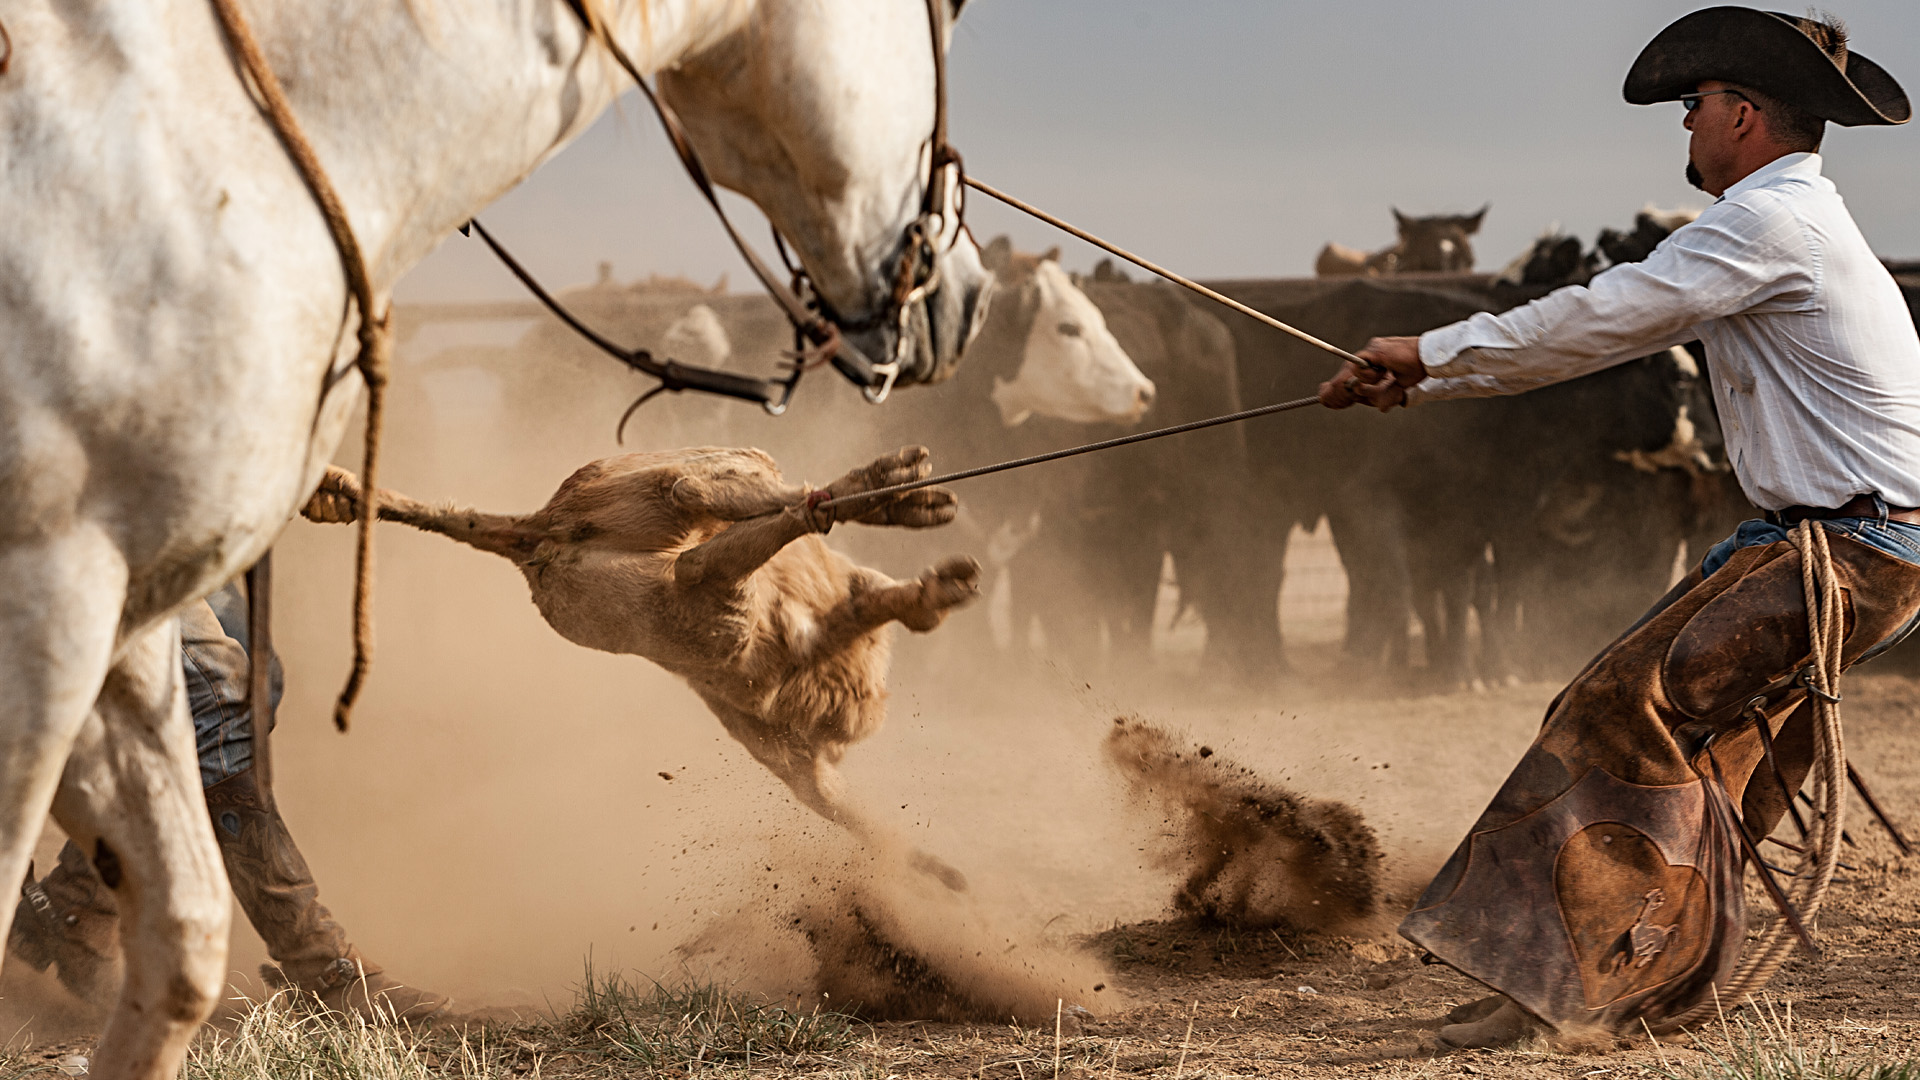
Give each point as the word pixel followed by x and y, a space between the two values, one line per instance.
pixel 997 254
pixel 1472 224
pixel 954 7
pixel 1052 255
pixel 1402 221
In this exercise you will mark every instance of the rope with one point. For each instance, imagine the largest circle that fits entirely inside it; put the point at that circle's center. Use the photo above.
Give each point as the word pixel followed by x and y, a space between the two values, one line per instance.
pixel 1136 260
pixel 376 342
pixel 1075 451
pixel 1826 630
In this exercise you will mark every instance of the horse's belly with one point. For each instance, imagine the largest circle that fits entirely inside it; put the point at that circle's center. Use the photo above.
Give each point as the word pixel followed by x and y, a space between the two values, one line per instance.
pixel 169 306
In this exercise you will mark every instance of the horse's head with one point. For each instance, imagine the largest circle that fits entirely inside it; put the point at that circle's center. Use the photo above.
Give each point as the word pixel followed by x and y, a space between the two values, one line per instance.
pixel 1070 368
pixel 1437 243
pixel 822 112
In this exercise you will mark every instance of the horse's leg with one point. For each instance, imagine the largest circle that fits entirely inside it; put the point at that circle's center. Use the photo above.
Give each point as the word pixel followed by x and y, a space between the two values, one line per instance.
pixel 59 604
pixel 131 799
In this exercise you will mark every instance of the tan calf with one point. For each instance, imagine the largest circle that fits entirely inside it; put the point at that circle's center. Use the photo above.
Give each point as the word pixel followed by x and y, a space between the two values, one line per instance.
pixel 709 563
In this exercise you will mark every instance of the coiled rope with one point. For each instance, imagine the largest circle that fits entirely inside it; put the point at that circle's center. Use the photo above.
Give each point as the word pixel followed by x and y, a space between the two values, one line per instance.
pixel 1826 631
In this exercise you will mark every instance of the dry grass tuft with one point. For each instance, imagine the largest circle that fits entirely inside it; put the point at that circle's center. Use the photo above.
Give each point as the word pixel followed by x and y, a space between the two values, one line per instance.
pixel 684 1028
pixel 1761 1044
pixel 277 1039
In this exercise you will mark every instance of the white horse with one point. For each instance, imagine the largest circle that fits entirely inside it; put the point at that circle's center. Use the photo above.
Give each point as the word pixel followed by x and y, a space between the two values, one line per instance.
pixel 176 341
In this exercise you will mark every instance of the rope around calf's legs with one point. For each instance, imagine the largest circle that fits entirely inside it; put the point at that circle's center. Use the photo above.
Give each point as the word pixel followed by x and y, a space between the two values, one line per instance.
pixel 1826 631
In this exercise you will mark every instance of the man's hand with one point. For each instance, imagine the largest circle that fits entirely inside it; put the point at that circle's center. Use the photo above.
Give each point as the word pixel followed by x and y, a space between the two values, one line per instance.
pixel 1384 386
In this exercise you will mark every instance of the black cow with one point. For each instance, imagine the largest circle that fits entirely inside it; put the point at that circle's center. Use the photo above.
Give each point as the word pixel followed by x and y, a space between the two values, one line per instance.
pixel 1527 509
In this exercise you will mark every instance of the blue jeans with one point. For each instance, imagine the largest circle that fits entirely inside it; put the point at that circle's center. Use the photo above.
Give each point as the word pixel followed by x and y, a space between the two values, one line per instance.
pixel 1895 538
pixel 213 654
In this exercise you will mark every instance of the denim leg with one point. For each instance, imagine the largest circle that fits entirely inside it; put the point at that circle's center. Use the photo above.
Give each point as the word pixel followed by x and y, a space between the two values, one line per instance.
pixel 215 667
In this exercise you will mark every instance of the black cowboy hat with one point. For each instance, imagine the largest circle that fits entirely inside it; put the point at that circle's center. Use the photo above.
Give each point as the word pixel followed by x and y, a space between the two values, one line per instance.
pixel 1773 53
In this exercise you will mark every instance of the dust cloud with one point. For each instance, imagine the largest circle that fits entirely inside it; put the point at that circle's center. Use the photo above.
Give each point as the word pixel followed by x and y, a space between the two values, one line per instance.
pixel 508 803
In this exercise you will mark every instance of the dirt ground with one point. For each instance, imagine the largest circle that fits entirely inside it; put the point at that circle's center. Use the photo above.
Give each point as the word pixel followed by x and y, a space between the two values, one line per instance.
pixel 1207 1001
pixel 1188 1000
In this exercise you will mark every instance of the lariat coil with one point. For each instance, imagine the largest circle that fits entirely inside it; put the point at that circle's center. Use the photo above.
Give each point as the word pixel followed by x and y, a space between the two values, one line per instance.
pixel 1820 855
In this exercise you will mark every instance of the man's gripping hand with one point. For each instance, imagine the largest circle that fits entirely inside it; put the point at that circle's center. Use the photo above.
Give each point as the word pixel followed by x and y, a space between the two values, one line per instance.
pixel 1384 386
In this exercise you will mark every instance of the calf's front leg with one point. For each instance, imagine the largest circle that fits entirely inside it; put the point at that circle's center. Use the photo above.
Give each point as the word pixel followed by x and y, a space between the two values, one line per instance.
pixel 920 605
pixel 744 547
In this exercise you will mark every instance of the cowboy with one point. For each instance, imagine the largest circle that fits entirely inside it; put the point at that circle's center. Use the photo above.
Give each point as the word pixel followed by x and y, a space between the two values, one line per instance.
pixel 1617 808
pixel 69 918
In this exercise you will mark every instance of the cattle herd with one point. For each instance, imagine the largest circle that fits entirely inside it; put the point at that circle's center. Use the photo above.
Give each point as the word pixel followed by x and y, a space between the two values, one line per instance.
pixel 1483 541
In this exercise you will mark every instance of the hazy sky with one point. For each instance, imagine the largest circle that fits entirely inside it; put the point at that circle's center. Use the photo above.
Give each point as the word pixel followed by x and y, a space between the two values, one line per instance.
pixel 1234 137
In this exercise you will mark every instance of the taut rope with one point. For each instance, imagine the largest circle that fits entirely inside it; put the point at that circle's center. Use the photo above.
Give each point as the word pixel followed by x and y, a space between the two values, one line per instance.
pixel 1219 298
pixel 1826 629
pixel 1073 451
pixel 376 342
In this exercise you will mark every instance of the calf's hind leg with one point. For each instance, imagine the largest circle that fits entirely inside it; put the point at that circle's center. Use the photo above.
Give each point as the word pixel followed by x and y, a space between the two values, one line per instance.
pixel 131 799
pixel 814 778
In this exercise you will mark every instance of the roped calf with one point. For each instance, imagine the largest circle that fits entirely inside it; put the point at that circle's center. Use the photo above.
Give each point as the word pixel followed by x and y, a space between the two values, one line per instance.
pixel 709 563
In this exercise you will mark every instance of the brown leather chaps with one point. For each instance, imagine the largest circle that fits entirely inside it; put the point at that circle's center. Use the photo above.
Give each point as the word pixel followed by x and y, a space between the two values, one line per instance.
pixel 1603 885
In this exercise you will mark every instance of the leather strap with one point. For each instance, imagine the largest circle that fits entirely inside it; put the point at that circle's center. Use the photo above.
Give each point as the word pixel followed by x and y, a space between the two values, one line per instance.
pixel 1860 506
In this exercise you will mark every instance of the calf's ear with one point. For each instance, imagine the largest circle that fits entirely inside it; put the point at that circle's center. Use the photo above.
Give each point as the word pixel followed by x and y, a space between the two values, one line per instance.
pixel 997 254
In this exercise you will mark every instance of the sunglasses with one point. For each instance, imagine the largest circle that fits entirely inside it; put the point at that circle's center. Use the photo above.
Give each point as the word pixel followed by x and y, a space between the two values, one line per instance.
pixel 1691 102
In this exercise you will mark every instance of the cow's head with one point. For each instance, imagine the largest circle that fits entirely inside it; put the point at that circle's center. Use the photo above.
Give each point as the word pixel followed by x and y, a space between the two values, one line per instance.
pixel 1438 243
pixel 1651 226
pixel 1071 368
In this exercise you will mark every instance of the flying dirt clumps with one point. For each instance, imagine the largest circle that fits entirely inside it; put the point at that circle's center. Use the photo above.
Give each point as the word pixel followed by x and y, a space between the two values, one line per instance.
pixel 1255 855
pixel 869 934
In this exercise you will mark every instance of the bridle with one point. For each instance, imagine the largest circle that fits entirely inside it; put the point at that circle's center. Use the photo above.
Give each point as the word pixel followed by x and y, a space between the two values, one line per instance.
pixel 819 331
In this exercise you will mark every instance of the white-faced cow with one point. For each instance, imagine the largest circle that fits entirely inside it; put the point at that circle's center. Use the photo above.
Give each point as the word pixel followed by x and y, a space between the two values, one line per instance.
pixel 176 335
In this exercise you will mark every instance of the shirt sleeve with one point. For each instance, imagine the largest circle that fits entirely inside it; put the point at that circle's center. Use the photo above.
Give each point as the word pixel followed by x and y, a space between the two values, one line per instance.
pixel 1733 259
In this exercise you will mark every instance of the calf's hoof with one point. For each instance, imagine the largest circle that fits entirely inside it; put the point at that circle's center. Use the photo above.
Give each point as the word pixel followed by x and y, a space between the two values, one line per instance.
pixel 952 583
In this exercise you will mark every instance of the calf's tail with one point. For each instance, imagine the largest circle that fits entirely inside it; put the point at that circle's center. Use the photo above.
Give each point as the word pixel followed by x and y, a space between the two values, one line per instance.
pixel 502 534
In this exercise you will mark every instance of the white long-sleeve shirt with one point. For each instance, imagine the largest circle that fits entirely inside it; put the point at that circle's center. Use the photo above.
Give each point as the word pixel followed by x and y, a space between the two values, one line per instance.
pixel 1814 357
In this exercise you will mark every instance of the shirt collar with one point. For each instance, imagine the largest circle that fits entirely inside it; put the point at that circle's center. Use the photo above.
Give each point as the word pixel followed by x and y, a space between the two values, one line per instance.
pixel 1801 166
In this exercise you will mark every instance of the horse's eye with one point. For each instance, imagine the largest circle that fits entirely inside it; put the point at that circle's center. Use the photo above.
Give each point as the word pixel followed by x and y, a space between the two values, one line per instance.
pixel 1068 329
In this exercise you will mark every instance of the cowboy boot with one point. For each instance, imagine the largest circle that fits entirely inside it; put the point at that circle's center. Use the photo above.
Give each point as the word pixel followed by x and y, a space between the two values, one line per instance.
pixel 271 880
pixel 70 919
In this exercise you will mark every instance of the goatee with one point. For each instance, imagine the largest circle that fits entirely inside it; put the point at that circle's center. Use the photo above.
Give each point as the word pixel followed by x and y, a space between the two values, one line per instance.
pixel 1694 177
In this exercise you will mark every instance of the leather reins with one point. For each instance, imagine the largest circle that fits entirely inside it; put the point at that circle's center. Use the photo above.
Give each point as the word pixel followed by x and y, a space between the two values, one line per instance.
pixel 818 336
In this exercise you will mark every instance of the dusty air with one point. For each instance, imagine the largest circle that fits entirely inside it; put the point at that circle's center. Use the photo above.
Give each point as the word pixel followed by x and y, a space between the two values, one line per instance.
pixel 949 538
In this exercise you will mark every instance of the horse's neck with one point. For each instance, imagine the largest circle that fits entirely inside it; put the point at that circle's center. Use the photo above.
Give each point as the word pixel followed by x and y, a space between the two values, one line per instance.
pixel 425 111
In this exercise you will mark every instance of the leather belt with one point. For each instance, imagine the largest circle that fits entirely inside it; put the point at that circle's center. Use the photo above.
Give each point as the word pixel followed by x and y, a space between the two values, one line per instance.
pixel 1860 506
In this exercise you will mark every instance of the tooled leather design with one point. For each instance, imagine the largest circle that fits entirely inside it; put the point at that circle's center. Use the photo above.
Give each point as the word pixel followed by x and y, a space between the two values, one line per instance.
pixel 1520 920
